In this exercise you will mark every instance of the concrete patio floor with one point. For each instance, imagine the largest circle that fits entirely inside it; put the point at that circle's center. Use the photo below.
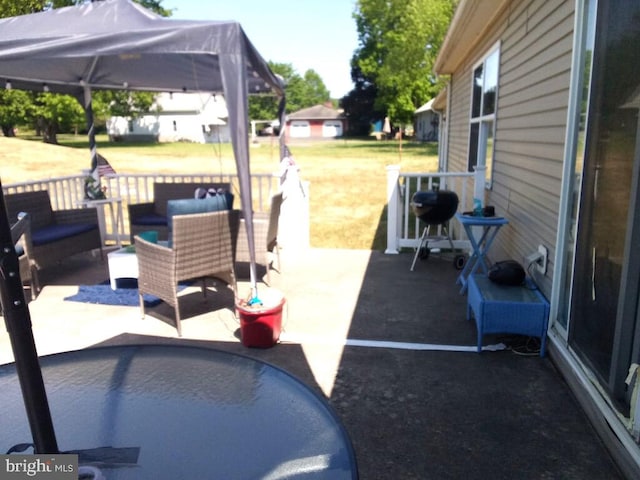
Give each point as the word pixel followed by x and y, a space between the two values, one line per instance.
pixel 374 339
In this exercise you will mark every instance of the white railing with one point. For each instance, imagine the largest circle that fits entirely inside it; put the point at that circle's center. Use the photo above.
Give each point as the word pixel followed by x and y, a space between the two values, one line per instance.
pixel 65 192
pixel 138 188
pixel 403 227
pixel 123 189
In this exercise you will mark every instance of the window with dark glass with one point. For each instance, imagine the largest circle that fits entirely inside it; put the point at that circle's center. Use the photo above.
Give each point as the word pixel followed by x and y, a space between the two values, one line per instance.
pixel 483 110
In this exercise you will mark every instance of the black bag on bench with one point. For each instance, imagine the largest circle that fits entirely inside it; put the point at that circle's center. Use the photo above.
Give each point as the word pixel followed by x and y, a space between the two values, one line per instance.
pixel 507 272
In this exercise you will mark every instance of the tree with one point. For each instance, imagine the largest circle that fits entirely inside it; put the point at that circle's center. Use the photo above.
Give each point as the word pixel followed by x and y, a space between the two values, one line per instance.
pixel 121 103
pixel 155 6
pixel 315 91
pixel 15 109
pixel 13 8
pixel 57 113
pixel 360 103
pixel 398 45
pixel 301 92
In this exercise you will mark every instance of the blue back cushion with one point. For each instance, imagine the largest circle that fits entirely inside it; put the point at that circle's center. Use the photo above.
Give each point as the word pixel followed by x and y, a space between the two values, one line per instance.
pixel 196 205
pixel 151 219
pixel 53 233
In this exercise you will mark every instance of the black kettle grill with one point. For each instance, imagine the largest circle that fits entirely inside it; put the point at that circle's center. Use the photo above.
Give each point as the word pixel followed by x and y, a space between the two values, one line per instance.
pixel 434 208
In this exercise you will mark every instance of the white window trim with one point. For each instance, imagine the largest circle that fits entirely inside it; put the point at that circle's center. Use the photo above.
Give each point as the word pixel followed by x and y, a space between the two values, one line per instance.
pixel 482 120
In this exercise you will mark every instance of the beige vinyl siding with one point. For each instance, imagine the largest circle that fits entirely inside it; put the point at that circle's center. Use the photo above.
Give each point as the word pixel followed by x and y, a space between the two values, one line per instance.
pixel 535 57
pixel 459 123
pixel 533 99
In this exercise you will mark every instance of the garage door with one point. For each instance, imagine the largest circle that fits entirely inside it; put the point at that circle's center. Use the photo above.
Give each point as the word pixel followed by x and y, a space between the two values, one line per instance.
pixel 300 129
pixel 331 128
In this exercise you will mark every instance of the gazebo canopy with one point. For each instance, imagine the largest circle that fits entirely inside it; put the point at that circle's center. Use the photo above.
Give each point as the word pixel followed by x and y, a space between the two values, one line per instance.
pixel 118 44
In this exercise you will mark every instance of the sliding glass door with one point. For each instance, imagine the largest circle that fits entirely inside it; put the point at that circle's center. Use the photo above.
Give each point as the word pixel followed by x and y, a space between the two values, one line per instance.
pixel 603 327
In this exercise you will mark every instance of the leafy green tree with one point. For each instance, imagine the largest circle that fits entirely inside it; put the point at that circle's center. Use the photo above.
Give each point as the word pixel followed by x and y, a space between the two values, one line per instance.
pixel 398 45
pixel 360 103
pixel 307 91
pixel 15 109
pixel 315 91
pixel 121 103
pixel 155 6
pixel 301 92
pixel 57 113
pixel 13 8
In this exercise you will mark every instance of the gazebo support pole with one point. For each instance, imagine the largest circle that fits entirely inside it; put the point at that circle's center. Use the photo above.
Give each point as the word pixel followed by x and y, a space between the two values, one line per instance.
pixel 88 111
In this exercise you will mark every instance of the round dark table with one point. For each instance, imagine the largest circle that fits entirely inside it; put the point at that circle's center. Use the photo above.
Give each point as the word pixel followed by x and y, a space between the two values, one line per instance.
pixel 194 413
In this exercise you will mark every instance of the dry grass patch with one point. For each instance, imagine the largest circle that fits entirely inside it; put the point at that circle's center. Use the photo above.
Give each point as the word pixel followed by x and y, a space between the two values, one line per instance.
pixel 347 177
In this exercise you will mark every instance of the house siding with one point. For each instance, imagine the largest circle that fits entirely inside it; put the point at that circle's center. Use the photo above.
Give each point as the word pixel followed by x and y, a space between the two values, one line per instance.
pixel 425 129
pixel 535 40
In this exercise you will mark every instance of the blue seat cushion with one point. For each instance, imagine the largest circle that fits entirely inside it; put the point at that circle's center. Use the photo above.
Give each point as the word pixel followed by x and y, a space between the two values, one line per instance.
pixel 150 219
pixel 196 205
pixel 53 233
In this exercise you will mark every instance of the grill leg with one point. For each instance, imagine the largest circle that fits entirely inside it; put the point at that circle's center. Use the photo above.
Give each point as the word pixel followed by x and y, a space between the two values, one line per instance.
pixel 446 231
pixel 422 241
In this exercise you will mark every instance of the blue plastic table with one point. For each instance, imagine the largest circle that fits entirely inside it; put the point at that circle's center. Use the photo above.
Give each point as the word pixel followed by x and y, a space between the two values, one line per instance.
pixel 191 412
pixel 478 259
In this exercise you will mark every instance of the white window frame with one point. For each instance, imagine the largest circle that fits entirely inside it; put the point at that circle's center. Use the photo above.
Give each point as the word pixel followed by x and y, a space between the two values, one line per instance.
pixel 486 122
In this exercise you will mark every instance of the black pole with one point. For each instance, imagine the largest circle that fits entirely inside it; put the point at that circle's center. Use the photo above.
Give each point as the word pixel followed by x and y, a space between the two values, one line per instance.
pixel 88 112
pixel 18 322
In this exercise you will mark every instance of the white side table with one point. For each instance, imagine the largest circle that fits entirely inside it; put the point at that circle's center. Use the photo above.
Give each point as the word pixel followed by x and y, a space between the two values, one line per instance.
pixel 116 217
pixel 123 263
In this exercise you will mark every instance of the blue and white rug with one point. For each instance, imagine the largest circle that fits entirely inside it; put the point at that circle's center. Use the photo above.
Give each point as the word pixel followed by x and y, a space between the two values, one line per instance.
pixel 125 295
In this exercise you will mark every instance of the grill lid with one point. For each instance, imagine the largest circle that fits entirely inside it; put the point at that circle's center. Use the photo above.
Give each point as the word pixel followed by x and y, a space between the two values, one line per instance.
pixel 434 207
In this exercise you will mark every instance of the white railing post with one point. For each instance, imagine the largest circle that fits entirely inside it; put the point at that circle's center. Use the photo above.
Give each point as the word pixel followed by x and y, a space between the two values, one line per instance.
pixel 294 224
pixel 393 175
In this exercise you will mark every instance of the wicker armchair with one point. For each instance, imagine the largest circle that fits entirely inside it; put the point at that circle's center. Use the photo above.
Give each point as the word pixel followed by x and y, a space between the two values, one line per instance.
pixel 55 234
pixel 265 235
pixel 153 215
pixel 201 247
pixel 21 235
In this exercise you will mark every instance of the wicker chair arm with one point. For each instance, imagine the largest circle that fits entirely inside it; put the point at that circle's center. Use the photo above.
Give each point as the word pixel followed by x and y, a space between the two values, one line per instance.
pixel 76 215
pixel 155 262
pixel 156 250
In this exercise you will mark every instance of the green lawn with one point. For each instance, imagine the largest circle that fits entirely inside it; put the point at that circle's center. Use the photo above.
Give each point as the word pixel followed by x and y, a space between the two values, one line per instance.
pixel 347 177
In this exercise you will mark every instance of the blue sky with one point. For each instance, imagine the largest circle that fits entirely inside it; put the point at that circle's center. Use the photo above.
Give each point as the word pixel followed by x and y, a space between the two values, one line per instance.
pixel 308 34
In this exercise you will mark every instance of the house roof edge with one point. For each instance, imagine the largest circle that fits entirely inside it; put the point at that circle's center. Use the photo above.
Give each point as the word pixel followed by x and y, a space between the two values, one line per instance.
pixel 470 21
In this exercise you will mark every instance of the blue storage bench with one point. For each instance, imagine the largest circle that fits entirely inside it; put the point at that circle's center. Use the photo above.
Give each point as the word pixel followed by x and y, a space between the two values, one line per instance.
pixel 520 310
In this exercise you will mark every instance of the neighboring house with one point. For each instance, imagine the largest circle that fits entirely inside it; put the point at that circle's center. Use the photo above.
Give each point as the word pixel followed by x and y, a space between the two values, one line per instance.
pixel 426 123
pixel 319 121
pixel 176 117
pixel 545 95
